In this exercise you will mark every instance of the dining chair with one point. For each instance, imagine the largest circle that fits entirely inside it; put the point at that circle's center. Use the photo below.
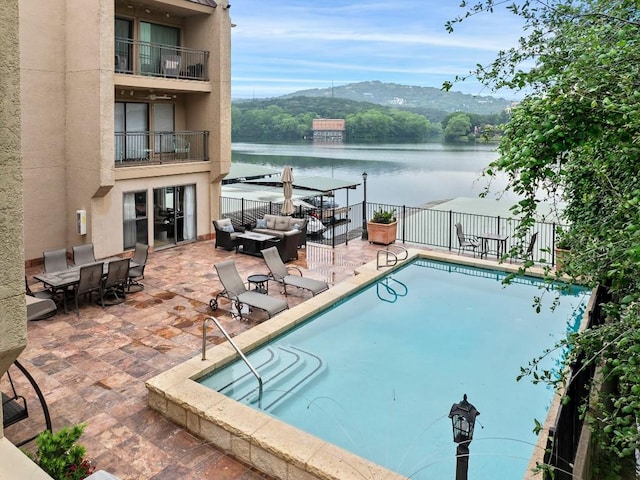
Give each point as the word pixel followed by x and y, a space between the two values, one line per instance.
pixel 137 272
pixel 90 281
pixel 83 254
pixel 55 260
pixel 466 242
pixel 116 280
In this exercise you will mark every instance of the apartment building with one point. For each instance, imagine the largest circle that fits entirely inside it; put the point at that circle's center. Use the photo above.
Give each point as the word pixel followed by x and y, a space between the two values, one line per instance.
pixel 125 121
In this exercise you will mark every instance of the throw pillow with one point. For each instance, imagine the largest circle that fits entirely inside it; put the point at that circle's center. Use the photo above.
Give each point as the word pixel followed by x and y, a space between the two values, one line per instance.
pixel 228 228
pixel 297 226
pixel 261 223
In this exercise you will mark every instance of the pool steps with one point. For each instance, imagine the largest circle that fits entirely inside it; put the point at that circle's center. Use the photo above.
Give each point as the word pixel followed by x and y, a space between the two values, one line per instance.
pixel 285 371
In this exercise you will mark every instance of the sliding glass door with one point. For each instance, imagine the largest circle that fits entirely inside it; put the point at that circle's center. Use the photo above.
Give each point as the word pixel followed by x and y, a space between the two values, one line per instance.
pixel 174 214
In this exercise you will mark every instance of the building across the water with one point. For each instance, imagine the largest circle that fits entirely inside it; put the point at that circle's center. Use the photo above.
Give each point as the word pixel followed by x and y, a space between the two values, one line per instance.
pixel 329 129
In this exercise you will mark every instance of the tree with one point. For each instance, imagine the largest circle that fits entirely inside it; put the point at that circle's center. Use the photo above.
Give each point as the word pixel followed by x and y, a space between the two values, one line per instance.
pixel 575 138
pixel 458 125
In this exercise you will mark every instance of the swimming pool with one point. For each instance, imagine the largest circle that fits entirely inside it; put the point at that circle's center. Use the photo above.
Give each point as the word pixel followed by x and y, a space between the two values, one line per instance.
pixel 411 434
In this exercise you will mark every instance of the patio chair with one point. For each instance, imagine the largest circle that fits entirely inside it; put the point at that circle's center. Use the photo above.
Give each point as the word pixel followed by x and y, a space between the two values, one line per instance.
pixel 181 146
pixel 236 291
pixel 136 272
pixel 90 281
pixel 117 279
pixel 284 275
pixel 466 242
pixel 55 260
pixel 528 253
pixel 170 65
pixel 83 254
pixel 226 233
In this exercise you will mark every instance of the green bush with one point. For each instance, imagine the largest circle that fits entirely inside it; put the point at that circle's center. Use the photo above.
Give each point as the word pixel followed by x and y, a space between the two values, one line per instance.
pixel 60 456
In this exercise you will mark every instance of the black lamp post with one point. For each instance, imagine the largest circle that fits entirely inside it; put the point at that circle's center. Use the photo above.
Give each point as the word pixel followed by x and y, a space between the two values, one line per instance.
pixel 463 419
pixel 365 234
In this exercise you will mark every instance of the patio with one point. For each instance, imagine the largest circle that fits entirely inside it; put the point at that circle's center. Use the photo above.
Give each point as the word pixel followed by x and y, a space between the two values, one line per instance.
pixel 92 369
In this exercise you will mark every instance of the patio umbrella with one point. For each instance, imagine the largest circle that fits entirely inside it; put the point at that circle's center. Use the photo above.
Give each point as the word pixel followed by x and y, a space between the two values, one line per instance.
pixel 287 187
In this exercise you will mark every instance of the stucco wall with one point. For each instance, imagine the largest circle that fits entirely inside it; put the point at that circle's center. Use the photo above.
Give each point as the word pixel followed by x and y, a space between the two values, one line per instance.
pixel 13 323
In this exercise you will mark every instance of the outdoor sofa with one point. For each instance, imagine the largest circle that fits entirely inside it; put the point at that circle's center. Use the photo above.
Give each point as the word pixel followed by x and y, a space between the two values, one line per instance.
pixel 279 225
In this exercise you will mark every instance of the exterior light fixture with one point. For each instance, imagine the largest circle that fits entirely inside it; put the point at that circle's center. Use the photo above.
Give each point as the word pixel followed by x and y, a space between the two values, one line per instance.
pixel 463 419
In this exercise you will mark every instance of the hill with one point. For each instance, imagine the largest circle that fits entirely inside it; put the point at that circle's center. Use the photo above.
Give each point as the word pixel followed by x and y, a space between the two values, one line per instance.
pixel 423 100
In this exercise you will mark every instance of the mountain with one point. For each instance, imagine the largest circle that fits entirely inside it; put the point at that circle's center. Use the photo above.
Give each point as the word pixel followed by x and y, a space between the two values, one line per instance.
pixel 409 97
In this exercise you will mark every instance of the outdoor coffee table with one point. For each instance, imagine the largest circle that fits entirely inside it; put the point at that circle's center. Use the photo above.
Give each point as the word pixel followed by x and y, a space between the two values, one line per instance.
pixel 251 243
pixel 260 281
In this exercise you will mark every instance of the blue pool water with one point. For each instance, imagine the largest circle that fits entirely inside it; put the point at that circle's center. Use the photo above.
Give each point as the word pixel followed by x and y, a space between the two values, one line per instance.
pixel 378 373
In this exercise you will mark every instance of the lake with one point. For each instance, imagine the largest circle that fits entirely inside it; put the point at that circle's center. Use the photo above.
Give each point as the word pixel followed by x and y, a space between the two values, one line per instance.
pixel 398 174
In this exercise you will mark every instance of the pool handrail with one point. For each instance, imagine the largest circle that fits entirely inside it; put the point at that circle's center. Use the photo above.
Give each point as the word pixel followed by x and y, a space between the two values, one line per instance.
pixel 388 253
pixel 235 347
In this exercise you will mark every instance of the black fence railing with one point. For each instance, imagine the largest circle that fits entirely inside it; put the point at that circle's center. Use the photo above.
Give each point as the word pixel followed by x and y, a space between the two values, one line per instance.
pixel 421 226
pixel 135 148
pixel 564 436
pixel 153 59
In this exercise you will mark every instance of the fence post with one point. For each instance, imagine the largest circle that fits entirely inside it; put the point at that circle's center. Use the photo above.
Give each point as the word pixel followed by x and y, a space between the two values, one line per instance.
pixel 404 223
pixel 242 211
pixel 450 229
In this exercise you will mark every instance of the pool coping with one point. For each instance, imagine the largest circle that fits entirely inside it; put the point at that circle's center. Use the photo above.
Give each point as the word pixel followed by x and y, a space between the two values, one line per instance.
pixel 273 447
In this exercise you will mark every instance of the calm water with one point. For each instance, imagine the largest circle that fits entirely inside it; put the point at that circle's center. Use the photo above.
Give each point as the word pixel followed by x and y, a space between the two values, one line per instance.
pixel 395 412
pixel 405 174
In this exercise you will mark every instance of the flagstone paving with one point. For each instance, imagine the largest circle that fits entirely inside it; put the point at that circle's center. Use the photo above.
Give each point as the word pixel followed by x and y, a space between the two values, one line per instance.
pixel 92 368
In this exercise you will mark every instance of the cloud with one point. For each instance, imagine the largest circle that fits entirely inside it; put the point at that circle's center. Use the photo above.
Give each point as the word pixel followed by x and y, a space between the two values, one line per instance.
pixel 313 44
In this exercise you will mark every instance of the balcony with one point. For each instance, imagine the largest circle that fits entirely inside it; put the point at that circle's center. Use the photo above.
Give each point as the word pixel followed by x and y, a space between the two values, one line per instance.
pixel 156 60
pixel 155 148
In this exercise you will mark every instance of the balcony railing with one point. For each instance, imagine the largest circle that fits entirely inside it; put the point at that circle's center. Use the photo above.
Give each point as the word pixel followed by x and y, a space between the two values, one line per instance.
pixel 146 148
pixel 156 60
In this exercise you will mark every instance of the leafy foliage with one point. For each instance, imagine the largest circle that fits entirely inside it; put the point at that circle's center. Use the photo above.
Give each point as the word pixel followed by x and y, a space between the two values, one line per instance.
pixel 60 456
pixel 575 139
pixel 384 216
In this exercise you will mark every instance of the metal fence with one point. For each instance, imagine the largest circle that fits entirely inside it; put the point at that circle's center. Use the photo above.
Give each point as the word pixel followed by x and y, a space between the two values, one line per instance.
pixel 564 436
pixel 416 225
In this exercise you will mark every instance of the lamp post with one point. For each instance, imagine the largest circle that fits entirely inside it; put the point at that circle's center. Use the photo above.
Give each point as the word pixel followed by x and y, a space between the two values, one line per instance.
pixel 365 234
pixel 463 419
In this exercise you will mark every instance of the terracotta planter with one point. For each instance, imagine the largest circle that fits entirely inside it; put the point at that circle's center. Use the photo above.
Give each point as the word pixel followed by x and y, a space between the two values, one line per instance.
pixel 382 233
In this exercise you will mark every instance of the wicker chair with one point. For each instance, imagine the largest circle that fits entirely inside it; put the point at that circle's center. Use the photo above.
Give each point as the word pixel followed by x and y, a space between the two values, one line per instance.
pixel 226 233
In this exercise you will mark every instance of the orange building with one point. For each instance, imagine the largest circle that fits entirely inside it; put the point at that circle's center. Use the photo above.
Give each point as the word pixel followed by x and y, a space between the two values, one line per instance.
pixel 329 129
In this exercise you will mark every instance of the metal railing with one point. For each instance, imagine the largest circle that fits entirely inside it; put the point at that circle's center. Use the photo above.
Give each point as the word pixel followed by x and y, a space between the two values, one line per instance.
pixel 235 347
pixel 564 435
pixel 135 148
pixel 416 225
pixel 157 60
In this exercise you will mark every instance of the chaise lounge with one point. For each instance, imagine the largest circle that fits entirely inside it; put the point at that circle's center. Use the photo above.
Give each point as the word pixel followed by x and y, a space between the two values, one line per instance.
pixel 284 276
pixel 236 291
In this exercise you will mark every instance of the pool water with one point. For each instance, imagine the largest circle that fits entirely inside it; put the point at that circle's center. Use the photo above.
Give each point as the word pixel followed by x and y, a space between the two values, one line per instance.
pixel 377 374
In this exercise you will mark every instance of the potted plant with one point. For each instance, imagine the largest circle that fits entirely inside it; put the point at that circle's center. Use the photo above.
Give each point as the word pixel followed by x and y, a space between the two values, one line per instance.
pixel 382 227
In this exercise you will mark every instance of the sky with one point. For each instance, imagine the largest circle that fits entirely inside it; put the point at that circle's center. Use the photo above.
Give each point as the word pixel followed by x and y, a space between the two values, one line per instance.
pixel 289 45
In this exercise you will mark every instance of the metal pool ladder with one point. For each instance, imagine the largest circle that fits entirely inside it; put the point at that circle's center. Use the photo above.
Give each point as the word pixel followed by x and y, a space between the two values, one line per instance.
pixel 235 347
pixel 389 257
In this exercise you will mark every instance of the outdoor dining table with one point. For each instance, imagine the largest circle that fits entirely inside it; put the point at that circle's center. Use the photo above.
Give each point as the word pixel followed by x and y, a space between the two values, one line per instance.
pixel 501 243
pixel 63 279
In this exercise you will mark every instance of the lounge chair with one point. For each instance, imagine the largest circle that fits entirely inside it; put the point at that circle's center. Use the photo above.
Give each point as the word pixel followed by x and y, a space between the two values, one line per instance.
pixel 41 304
pixel 466 242
pixel 236 291
pixel 282 274
pixel 528 253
